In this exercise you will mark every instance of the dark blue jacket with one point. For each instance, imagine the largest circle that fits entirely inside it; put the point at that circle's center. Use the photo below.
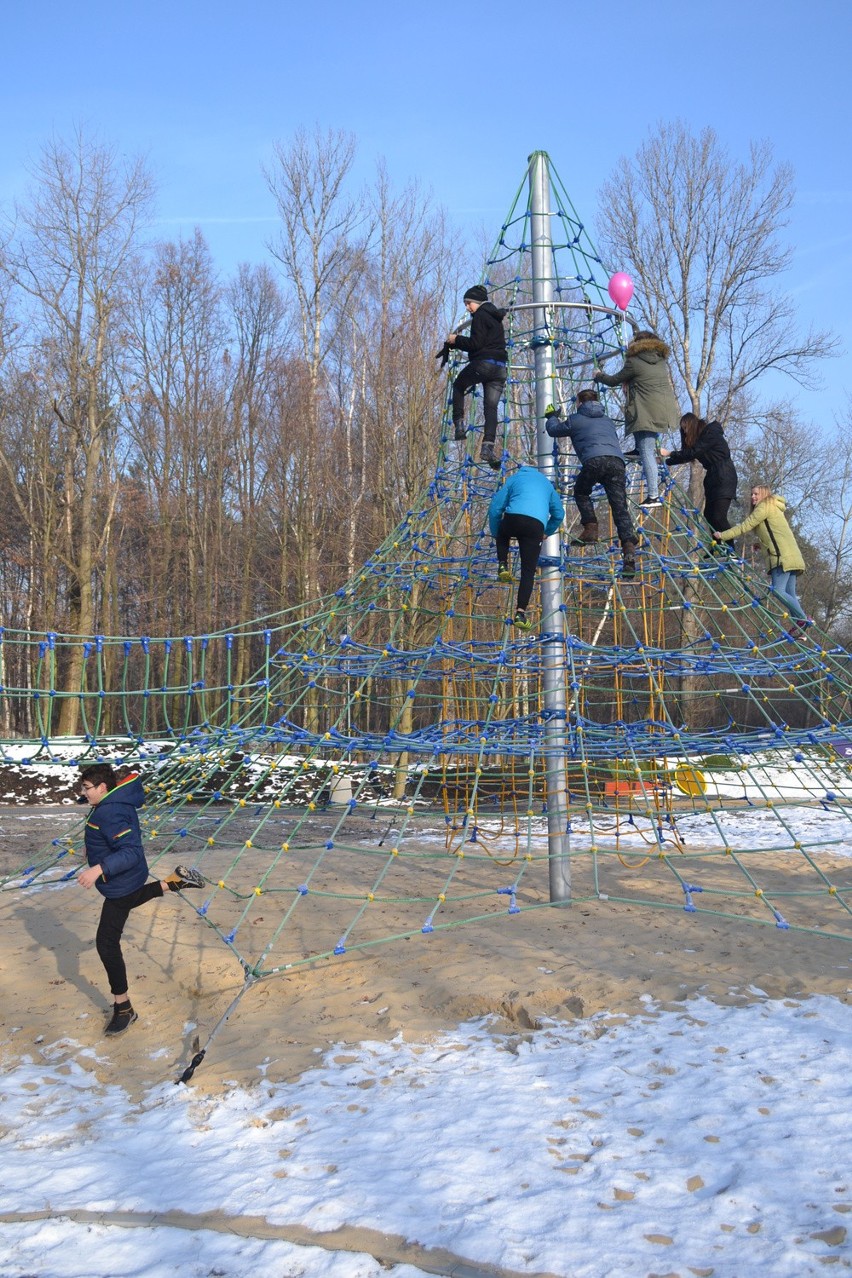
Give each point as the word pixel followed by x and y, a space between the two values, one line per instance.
pixel 487 339
pixel 114 840
pixel 591 432
pixel 528 492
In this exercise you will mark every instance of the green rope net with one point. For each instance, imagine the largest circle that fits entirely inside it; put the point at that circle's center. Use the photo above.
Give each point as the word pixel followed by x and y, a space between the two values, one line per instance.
pixel 373 766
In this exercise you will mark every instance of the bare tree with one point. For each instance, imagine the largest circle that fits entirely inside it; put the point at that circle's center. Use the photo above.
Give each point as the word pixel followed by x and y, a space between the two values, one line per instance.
pixel 321 248
pixel 700 233
pixel 67 259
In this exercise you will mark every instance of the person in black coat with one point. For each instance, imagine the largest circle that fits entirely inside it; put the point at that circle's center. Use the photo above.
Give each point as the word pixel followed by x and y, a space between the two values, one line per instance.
pixel 705 442
pixel 487 367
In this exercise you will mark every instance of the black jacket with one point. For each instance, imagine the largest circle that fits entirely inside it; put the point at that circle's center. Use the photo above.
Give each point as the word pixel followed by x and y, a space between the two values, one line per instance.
pixel 486 339
pixel 711 449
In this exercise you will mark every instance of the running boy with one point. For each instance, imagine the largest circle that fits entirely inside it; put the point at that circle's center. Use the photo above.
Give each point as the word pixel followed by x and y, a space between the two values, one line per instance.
pixel 118 869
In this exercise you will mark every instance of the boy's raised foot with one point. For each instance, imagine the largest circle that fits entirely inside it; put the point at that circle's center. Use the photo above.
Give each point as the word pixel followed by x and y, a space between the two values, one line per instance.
pixel 520 621
pixel 183 877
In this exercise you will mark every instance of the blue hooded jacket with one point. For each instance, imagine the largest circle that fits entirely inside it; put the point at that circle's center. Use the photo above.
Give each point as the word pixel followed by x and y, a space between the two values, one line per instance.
pixel 114 840
pixel 528 492
pixel 592 433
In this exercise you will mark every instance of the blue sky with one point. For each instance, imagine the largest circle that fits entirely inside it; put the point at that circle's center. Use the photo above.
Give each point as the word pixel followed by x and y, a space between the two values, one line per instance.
pixel 454 95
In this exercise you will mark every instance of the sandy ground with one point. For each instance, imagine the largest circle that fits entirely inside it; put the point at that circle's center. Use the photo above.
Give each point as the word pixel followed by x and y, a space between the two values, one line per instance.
pixel 553 962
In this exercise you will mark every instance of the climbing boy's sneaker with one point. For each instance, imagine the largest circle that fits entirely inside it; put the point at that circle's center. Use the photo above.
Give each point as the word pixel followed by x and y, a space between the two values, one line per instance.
pixel 504 573
pixel 520 622
pixel 123 1017
pixel 182 877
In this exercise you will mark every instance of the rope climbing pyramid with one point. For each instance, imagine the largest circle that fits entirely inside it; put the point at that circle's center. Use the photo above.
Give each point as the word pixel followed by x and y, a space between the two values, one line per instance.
pixel 398 759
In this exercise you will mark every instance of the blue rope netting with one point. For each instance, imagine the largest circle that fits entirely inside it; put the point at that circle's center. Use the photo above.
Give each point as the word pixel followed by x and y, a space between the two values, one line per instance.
pixel 380 772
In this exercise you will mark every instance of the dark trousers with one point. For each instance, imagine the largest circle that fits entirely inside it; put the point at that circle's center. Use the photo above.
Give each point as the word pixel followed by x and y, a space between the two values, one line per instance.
pixel 529 534
pixel 716 511
pixel 114 914
pixel 492 378
pixel 609 472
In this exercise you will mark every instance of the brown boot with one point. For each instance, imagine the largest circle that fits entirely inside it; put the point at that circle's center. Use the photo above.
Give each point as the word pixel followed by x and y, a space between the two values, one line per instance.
pixel 628 560
pixel 587 537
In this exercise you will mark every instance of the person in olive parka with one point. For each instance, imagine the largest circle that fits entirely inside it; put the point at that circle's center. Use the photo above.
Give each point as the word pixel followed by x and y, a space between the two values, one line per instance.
pixel 487 366
pixel 651 407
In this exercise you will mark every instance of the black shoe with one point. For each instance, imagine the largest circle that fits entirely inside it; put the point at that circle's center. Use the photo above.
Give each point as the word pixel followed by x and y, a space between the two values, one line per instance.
pixel 459 433
pixel 123 1017
pixel 492 453
pixel 182 877
pixel 650 503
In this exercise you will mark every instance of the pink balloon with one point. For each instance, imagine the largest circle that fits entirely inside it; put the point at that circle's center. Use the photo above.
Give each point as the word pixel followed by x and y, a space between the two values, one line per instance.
pixel 621 290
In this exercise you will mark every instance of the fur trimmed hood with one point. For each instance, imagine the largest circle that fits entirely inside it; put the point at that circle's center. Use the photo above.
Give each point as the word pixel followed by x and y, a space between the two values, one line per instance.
pixel 648 346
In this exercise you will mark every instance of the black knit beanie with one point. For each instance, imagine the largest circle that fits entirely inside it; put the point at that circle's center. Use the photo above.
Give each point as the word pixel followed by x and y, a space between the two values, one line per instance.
pixel 479 293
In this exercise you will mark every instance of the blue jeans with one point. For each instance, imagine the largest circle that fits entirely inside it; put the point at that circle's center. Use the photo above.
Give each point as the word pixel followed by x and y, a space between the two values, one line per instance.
pixel 492 378
pixel 646 447
pixel 784 586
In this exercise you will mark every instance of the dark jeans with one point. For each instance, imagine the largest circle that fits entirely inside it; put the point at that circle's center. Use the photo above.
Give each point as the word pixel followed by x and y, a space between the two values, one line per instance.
pixel 609 472
pixel 529 534
pixel 716 511
pixel 108 940
pixel 492 378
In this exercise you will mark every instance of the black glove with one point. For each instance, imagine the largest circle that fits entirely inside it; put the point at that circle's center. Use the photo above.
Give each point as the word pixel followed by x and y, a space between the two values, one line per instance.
pixel 444 354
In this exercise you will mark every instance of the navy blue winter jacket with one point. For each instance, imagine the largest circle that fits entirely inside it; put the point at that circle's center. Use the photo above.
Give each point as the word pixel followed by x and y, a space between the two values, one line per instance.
pixel 592 433
pixel 528 492
pixel 114 840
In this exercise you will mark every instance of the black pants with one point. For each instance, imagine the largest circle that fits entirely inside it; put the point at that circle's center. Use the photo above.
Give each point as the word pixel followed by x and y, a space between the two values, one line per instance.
pixel 529 534
pixel 492 378
pixel 114 914
pixel 716 511
pixel 609 472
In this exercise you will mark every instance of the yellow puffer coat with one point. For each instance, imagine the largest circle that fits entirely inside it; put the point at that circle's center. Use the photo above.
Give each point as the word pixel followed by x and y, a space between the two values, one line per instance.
pixel 767 520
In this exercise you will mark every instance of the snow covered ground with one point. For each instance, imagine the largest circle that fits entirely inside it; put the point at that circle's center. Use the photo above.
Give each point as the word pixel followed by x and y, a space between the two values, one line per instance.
pixel 709 1141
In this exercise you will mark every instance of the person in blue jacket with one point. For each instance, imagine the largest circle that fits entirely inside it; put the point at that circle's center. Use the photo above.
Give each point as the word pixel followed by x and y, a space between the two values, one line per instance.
pixel 595 440
pixel 118 869
pixel 526 508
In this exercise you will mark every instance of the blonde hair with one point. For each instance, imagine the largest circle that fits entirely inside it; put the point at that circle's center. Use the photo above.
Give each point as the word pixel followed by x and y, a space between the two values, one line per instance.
pixel 763 493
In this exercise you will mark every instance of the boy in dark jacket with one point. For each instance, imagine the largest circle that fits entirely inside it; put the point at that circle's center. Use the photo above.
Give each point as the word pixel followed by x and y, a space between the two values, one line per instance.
pixel 118 869
pixel 487 366
pixel 595 441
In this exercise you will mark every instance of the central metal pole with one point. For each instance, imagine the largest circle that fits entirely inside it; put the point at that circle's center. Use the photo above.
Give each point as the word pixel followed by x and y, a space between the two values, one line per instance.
pixel 552 612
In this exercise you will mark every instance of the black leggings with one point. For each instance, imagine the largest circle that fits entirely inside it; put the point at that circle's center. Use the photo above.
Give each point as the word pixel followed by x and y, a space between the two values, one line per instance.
pixel 716 511
pixel 529 534
pixel 108 940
